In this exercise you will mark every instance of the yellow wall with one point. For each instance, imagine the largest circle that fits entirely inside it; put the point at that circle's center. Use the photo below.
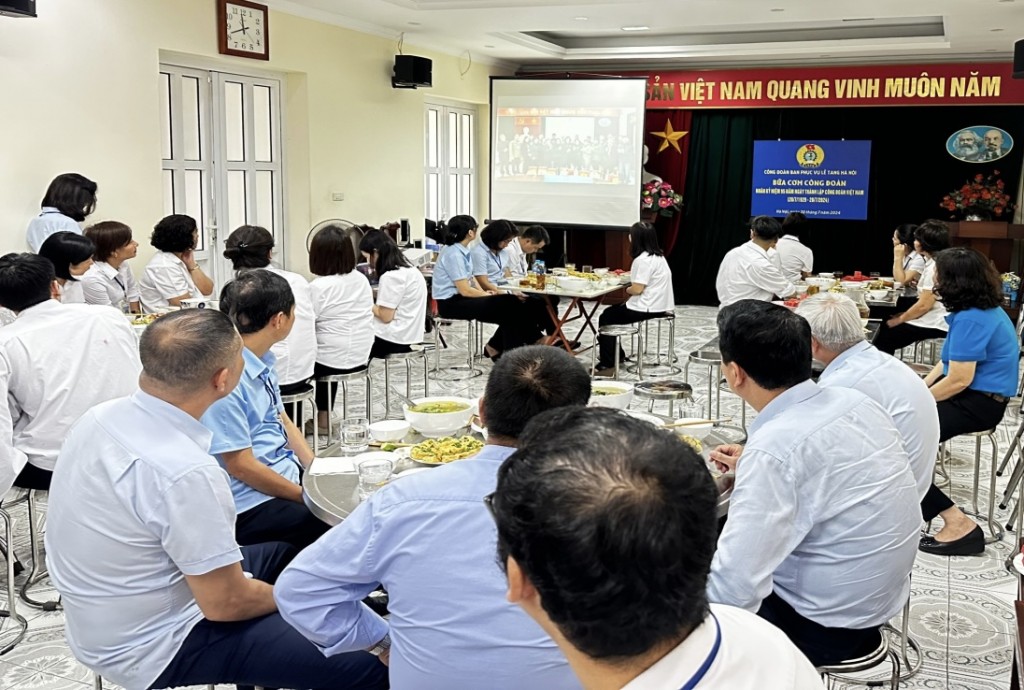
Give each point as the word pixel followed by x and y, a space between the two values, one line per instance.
pixel 78 92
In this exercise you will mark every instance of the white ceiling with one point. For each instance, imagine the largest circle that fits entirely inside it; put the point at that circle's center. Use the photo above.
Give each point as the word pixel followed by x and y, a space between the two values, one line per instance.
pixel 574 34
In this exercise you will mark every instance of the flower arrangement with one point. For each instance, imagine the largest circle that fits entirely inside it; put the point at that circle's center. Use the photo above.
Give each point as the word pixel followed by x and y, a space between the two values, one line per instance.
pixel 660 197
pixel 983 197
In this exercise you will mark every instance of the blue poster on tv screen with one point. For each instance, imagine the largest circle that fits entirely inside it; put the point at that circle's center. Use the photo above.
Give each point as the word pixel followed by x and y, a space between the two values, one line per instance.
pixel 820 179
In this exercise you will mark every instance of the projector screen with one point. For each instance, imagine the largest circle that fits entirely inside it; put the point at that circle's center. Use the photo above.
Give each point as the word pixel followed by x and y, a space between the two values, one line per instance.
pixel 567 151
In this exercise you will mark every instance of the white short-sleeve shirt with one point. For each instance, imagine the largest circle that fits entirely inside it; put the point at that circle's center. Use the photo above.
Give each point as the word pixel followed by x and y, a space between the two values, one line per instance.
pixel 936 316
pixel 403 289
pixel 165 277
pixel 749 272
pixel 104 284
pixel 56 362
pixel 652 272
pixel 795 258
pixel 136 504
pixel 71 292
pixel 296 354
pixel 343 305
pixel 48 222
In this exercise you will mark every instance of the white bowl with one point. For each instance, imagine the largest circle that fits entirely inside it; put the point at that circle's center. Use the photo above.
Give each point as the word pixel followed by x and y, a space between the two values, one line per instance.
pixel 851 284
pixel 801 289
pixel 389 430
pixel 699 431
pixel 600 271
pixel 619 401
pixel 830 276
pixel 438 424
pixel 822 283
pixel 877 295
pixel 573 284
pixel 644 417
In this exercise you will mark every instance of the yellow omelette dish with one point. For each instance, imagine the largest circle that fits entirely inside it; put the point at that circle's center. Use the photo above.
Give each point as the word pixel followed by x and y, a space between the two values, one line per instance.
pixel 587 276
pixel 437 451
pixel 693 442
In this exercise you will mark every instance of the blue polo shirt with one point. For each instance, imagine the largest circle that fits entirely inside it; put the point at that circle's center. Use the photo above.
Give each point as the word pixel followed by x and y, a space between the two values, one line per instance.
pixel 250 418
pixel 454 263
pixel 988 338
pixel 487 263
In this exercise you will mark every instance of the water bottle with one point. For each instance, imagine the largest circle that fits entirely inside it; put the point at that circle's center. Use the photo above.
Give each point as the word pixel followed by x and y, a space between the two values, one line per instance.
pixel 540 273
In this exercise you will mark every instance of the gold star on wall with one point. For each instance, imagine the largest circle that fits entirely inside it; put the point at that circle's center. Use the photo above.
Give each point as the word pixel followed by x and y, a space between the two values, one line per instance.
pixel 669 137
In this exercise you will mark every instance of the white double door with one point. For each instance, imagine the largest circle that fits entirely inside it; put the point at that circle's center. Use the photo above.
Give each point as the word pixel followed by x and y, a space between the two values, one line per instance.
pixel 222 162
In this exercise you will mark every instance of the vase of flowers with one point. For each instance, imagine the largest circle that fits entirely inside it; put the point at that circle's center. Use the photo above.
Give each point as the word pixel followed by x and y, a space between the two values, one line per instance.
pixel 982 198
pixel 659 199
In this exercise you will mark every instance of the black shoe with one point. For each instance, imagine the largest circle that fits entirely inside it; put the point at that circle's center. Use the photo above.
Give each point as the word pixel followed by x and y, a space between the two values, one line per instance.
pixel 971 544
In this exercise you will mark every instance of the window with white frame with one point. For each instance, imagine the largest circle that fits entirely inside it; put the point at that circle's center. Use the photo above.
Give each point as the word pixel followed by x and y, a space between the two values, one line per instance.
pixel 450 184
pixel 222 156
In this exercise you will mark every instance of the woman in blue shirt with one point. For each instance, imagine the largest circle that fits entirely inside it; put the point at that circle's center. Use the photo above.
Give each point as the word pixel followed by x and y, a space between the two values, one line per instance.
pixel 458 296
pixel 975 379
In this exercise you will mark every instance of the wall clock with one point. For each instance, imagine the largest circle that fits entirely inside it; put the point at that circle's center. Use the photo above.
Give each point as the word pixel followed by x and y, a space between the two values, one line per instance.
pixel 242 29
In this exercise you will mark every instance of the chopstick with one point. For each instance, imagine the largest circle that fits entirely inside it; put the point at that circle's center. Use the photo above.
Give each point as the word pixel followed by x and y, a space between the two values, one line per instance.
pixel 378 444
pixel 698 422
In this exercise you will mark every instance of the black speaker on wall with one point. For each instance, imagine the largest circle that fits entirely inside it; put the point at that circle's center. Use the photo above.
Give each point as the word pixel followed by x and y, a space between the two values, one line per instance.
pixel 411 71
pixel 18 8
pixel 1018 59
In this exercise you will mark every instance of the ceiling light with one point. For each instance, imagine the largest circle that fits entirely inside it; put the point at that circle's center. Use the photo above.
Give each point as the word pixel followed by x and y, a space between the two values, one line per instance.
pixel 414 23
pixel 778 9
pixel 636 28
pixel 996 29
pixel 488 45
pixel 583 19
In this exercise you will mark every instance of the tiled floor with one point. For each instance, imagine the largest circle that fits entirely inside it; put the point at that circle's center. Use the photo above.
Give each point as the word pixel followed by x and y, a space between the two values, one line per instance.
pixel 960 607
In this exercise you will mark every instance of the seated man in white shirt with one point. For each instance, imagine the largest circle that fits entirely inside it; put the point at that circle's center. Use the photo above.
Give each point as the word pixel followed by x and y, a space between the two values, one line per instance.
pixel 140 536
pixel 56 362
pixel 795 258
pixel 429 540
pixel 824 517
pixel 837 341
pixel 748 272
pixel 606 529
pixel 253 437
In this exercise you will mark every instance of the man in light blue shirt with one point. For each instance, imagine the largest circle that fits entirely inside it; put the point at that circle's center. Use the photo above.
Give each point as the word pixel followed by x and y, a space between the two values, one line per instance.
pixel 430 541
pixel 140 536
pixel 824 518
pixel 253 438
pixel 837 341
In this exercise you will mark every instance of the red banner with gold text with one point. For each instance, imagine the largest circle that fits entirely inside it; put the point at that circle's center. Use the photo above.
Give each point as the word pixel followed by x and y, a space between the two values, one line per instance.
pixel 870 85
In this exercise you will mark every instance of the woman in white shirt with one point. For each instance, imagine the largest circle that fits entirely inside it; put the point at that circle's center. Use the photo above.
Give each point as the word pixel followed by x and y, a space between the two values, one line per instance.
pixel 71 256
pixel 251 246
pixel 173 273
pixel 400 315
pixel 343 309
pixel 926 318
pixel 650 291
pixel 907 262
pixel 795 258
pixel 68 200
pixel 110 281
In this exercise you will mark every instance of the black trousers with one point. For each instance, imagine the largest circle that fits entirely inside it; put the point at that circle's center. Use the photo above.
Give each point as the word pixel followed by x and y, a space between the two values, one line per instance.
pixel 538 306
pixel 32 477
pixel 383 347
pixel 618 315
pixel 516 325
pixel 294 410
pixel 279 520
pixel 323 401
pixel 964 413
pixel 822 645
pixel 889 339
pixel 266 651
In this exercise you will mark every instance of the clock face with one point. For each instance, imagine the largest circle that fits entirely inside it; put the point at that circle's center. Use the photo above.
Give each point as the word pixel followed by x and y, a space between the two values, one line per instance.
pixel 246 29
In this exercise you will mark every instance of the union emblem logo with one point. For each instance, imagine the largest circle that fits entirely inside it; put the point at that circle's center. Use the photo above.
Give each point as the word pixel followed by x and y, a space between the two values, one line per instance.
pixel 810 156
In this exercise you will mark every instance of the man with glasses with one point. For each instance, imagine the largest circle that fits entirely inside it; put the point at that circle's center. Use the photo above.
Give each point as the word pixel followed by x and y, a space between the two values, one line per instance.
pixel 429 540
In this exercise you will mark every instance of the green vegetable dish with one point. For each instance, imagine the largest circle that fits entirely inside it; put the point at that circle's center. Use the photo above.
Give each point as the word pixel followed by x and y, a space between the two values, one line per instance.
pixel 606 391
pixel 439 407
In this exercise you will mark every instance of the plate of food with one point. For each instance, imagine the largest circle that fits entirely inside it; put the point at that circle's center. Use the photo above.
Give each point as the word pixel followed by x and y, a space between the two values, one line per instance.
pixel 441 451
pixel 439 416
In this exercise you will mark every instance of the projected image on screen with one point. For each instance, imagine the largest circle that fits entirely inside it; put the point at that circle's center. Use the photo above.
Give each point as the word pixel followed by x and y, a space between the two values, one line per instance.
pixel 570 145
pixel 567 151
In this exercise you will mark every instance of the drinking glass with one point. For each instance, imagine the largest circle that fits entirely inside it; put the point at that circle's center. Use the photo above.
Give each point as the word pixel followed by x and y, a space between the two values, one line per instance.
pixel 570 266
pixel 588 269
pixel 355 434
pixel 373 474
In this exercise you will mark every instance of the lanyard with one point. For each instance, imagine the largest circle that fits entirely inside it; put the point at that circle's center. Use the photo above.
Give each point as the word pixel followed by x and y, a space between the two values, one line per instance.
pixel 117 279
pixel 497 259
pixel 706 666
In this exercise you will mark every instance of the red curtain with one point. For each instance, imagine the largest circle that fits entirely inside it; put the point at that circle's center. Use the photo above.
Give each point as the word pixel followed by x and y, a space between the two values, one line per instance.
pixel 668 163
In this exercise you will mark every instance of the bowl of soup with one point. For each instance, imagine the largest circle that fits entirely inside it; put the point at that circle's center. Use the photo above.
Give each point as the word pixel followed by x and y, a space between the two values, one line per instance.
pixel 616 394
pixel 438 416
